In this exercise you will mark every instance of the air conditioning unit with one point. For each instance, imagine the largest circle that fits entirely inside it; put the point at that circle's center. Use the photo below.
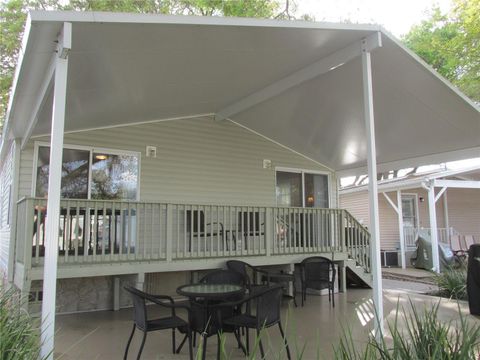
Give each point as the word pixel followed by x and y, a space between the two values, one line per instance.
pixel 389 258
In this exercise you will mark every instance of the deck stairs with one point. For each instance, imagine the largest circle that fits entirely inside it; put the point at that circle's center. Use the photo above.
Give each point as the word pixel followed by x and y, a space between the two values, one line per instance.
pixel 357 275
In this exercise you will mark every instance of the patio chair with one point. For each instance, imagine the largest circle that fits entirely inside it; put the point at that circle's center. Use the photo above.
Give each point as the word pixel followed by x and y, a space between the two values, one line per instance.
pixel 141 321
pixel 267 313
pixel 458 250
pixel 198 228
pixel 317 273
pixel 469 241
pixel 249 273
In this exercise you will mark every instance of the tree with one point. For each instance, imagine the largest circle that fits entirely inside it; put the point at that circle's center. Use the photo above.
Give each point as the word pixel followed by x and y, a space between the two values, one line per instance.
pixel 13 14
pixel 450 43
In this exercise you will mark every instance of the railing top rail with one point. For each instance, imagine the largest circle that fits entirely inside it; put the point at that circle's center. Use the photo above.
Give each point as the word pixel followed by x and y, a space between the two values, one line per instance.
pixel 179 203
pixel 354 219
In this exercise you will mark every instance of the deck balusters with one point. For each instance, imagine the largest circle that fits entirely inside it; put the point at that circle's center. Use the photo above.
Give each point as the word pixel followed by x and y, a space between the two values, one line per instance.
pixel 108 231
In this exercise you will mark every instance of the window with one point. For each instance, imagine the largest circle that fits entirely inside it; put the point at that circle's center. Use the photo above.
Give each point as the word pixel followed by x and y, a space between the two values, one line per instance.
pixel 112 176
pixel 302 189
pixel 409 210
pixel 75 167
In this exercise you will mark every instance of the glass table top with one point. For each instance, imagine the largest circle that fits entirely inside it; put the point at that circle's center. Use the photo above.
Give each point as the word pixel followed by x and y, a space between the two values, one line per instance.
pixel 209 289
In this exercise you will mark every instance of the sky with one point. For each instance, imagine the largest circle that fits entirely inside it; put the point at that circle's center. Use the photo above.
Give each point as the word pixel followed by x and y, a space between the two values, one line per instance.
pixel 396 16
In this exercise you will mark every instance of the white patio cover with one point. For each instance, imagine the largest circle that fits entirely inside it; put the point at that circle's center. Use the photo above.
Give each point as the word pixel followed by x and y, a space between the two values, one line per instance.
pixel 304 85
pixel 126 68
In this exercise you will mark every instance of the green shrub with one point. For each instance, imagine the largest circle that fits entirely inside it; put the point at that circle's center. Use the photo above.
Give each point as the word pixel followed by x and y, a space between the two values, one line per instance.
pixel 421 337
pixel 452 283
pixel 19 333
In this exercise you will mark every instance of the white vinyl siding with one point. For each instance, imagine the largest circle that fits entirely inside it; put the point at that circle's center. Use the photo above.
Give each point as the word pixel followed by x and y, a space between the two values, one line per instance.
pixel 6 175
pixel 198 160
pixel 357 204
pixel 464 211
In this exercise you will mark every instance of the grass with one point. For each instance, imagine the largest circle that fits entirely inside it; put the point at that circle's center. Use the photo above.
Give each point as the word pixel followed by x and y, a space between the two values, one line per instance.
pixel 421 337
pixel 19 333
pixel 452 283
pixel 416 334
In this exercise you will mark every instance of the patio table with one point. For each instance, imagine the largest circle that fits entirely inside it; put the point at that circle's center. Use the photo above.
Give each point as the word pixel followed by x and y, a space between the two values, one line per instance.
pixel 211 295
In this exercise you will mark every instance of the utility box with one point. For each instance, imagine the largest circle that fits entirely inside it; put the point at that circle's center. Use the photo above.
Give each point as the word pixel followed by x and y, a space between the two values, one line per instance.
pixel 389 258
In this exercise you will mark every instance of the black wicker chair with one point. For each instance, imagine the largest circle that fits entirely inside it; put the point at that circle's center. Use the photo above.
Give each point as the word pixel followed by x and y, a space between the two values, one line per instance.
pixel 318 273
pixel 267 304
pixel 145 325
pixel 250 274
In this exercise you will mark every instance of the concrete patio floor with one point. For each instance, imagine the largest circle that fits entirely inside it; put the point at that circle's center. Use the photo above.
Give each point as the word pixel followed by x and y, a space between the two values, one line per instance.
pixel 103 335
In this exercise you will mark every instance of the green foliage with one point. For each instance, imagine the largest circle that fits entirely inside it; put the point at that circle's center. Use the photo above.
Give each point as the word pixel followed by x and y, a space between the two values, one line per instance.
pixel 450 43
pixel 452 283
pixel 19 334
pixel 421 336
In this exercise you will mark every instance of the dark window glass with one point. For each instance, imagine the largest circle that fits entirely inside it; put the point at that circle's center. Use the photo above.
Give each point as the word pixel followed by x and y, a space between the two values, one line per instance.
pixel 289 189
pixel 114 177
pixel 316 190
pixel 75 166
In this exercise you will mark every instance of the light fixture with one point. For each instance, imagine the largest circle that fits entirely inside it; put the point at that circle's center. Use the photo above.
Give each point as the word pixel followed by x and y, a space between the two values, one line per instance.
pixel 101 157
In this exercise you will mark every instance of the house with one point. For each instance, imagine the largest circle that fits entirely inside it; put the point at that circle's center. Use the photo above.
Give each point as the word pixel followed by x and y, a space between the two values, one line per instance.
pixel 457 203
pixel 169 144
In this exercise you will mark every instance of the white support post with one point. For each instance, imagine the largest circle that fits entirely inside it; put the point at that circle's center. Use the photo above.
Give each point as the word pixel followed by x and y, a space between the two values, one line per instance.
pixel 433 228
pixel 54 188
pixel 372 191
pixel 400 229
pixel 445 217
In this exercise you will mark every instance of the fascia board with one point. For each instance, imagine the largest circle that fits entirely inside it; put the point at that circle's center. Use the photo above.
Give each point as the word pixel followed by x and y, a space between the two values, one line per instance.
pixel 132 18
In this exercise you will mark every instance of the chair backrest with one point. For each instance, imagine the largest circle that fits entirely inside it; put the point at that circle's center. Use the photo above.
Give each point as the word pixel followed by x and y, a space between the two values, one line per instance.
pixel 243 268
pixel 139 307
pixel 197 219
pixel 317 268
pixel 455 243
pixel 268 303
pixel 249 222
pixel 223 277
pixel 469 241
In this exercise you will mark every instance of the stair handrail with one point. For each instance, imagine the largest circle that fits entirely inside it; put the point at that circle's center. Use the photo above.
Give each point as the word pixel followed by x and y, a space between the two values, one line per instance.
pixel 360 250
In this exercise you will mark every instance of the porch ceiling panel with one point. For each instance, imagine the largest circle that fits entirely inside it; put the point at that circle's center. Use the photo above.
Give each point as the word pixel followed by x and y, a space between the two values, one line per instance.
pixel 416 115
pixel 126 73
pixel 126 68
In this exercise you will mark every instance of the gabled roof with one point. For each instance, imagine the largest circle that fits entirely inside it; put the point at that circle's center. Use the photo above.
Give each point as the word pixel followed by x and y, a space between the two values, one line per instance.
pixel 414 181
pixel 132 68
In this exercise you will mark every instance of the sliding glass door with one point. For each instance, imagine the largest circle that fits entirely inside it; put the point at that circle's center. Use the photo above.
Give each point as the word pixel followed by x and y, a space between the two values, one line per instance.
pixel 302 189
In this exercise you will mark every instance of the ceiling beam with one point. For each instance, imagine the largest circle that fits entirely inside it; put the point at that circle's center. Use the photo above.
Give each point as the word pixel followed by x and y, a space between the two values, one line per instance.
pixel 318 68
pixel 63 48
pixel 457 184
pixel 42 95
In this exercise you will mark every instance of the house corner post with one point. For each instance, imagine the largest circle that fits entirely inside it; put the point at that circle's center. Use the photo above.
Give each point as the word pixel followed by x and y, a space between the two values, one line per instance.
pixel 372 189
pixel 54 193
pixel 433 227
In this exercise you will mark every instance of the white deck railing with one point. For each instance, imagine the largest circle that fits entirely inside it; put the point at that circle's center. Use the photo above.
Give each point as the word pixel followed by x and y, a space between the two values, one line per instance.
pixel 98 231
pixel 410 234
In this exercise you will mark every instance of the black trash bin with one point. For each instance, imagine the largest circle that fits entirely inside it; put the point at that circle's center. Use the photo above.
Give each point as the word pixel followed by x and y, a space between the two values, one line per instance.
pixel 473 279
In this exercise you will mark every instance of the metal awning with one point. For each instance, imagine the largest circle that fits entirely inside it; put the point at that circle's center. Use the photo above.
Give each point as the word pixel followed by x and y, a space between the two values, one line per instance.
pixel 312 87
pixel 131 68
